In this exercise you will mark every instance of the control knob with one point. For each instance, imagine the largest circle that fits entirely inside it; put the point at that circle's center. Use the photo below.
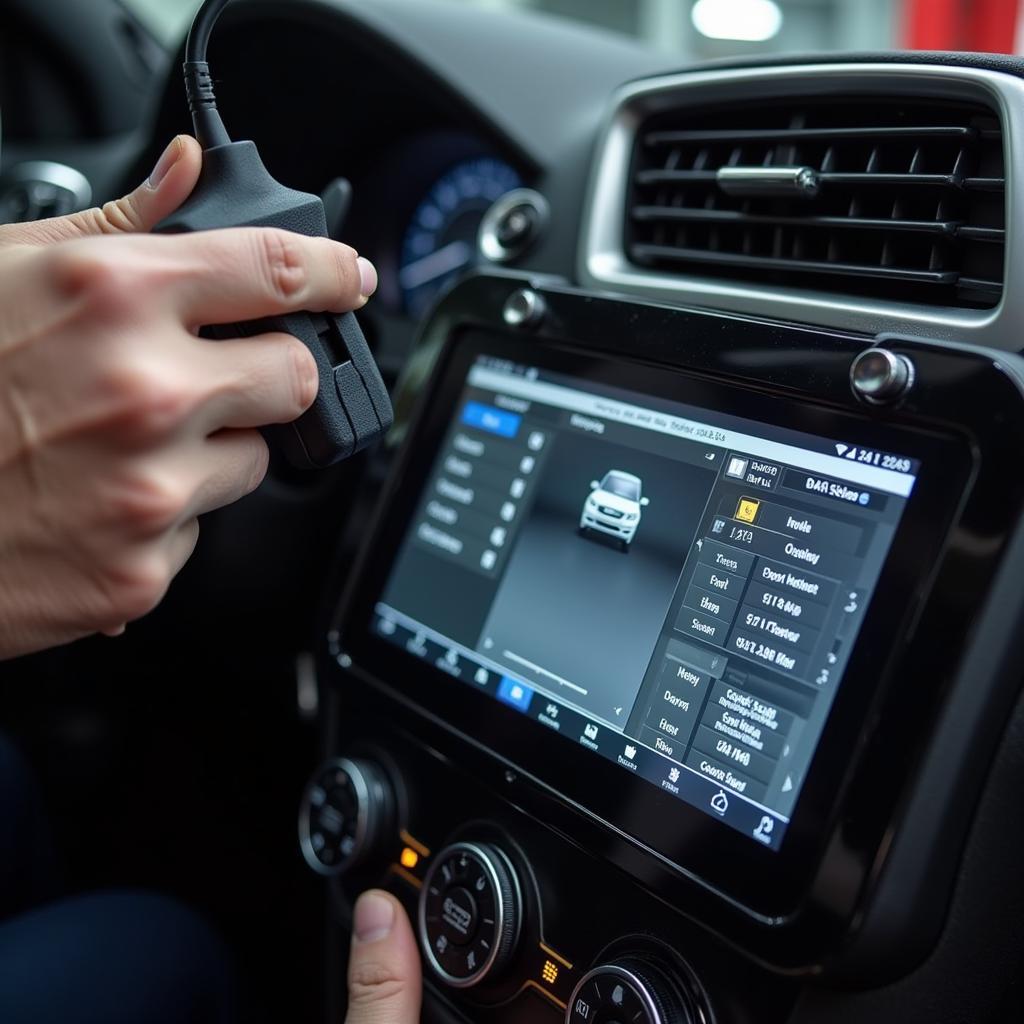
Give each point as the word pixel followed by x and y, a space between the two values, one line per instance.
pixel 469 913
pixel 347 810
pixel 879 376
pixel 632 990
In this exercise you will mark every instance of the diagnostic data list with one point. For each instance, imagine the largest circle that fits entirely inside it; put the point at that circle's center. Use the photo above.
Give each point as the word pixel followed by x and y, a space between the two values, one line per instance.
pixel 760 629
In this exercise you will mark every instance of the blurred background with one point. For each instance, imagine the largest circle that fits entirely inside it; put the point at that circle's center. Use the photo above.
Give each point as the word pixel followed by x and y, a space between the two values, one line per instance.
pixel 704 29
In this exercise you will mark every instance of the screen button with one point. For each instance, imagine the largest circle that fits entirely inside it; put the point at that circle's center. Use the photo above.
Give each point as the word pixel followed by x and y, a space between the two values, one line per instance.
pixel 728 777
pixel 747 509
pixel 790 580
pixel 782 631
pixel 752 734
pixel 515 693
pixel 719 556
pixel 709 603
pixel 736 467
pixel 789 606
pixel 806 483
pixel 494 421
pixel 704 626
pixel 764 830
pixel 734 753
pixel 717 581
pixel 667 728
pixel 751 711
pixel 664 745
pixel 771 651
pixel 843 537
pixel 753 472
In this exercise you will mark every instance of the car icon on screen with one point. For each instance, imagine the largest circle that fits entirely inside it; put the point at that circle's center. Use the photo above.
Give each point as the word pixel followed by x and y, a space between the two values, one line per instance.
pixel 613 506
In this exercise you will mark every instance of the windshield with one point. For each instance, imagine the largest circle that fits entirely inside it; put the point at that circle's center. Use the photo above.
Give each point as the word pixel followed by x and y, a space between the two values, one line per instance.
pixel 622 485
pixel 704 29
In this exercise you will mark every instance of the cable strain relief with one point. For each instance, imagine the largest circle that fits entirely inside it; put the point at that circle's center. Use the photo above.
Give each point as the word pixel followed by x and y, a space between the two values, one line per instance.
pixel 199 85
pixel 202 103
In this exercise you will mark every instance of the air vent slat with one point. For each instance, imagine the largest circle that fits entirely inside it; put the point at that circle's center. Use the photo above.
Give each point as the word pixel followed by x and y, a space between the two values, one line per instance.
pixel 928 227
pixel 983 234
pixel 645 253
pixel 673 138
pixel 831 178
pixel 985 184
pixel 888 197
pixel 981 285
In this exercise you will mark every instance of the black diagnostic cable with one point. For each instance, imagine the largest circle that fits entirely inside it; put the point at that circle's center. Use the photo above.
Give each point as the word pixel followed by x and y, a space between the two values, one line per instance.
pixel 352 408
pixel 202 103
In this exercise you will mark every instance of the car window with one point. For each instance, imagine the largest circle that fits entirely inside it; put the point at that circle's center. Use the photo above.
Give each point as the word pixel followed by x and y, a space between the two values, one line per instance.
pixel 623 486
pixel 702 29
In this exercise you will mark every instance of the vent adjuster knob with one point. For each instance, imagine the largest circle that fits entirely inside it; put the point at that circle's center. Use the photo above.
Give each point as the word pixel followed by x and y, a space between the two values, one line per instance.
pixel 881 377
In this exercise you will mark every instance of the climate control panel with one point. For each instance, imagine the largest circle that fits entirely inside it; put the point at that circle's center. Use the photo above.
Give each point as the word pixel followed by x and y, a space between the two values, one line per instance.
pixel 517 923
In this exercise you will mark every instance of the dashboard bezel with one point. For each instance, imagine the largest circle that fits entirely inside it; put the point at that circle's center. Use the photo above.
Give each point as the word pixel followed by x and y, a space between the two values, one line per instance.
pixel 770 883
pixel 794 361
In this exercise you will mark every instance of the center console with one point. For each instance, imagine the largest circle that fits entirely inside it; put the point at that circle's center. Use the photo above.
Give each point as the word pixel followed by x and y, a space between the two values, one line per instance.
pixel 644 685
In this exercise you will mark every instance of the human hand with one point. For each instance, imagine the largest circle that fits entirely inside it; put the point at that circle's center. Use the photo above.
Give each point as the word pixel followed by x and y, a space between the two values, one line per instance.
pixel 118 426
pixel 384 979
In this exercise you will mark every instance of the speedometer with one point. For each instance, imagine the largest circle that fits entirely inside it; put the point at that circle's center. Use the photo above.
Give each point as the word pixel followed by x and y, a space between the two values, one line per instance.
pixel 440 241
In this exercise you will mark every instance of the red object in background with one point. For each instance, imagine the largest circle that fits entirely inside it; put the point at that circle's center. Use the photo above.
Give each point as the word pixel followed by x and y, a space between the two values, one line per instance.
pixel 986 25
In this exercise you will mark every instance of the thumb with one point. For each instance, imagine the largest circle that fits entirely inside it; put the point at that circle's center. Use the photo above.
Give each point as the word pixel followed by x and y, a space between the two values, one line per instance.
pixel 384 983
pixel 168 186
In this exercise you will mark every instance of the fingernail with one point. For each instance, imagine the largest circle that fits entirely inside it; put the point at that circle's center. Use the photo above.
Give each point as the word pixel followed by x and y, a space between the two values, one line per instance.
pixel 374 916
pixel 367 277
pixel 167 160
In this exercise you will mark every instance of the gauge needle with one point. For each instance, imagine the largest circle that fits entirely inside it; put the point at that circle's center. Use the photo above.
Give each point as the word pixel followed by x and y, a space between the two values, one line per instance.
pixel 435 264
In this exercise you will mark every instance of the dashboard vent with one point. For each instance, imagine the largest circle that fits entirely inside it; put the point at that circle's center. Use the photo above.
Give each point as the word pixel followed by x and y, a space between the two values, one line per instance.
pixel 904 199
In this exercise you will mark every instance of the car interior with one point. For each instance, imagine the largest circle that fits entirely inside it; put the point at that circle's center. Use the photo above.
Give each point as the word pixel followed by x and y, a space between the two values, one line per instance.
pixel 662 659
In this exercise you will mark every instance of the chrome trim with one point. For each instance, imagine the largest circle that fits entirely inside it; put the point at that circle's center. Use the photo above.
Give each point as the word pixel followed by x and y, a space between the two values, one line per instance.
pixel 48 172
pixel 487 237
pixel 602 261
pixel 482 855
pixel 361 786
pixel 638 984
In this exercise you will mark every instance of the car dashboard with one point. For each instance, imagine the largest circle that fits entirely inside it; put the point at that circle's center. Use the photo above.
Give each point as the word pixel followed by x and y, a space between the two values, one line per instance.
pixel 665 660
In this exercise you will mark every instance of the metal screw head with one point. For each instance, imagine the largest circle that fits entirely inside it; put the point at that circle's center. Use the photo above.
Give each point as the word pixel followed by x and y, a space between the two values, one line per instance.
pixel 880 376
pixel 523 308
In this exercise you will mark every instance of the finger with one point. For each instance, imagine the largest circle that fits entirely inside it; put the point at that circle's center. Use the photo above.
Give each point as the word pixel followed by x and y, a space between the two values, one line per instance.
pixel 272 378
pixel 168 186
pixel 180 544
pixel 224 468
pixel 242 274
pixel 384 982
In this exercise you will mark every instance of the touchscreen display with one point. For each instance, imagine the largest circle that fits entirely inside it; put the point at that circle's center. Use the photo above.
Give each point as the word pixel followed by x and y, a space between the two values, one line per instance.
pixel 673 589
